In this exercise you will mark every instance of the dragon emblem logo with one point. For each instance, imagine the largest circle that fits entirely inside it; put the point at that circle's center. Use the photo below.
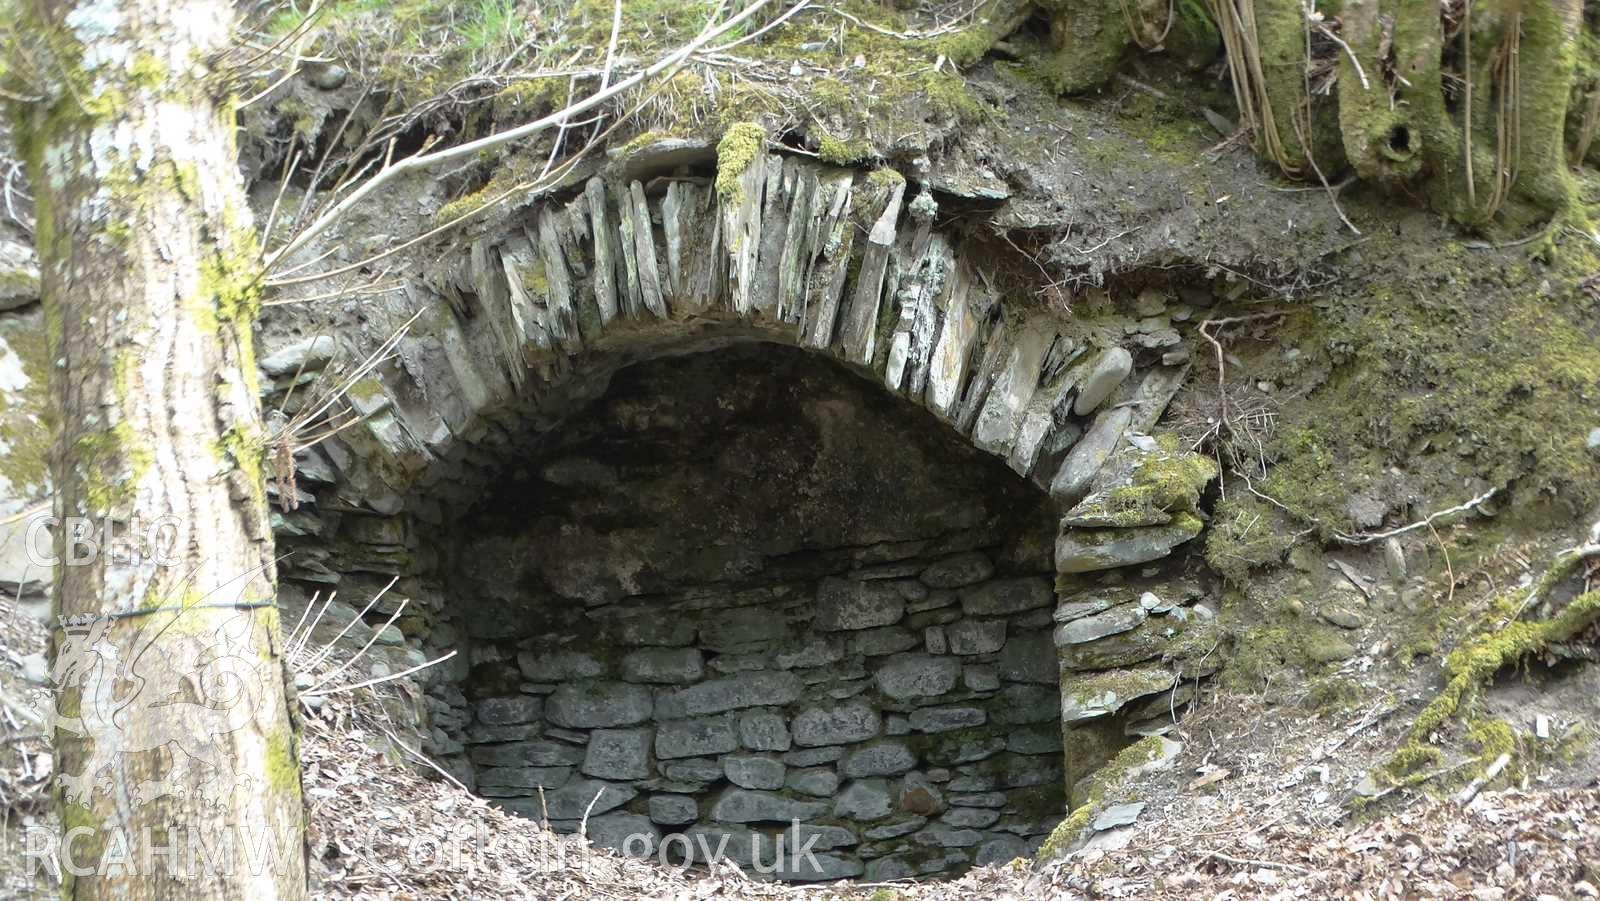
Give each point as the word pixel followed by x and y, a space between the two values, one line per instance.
pixel 134 696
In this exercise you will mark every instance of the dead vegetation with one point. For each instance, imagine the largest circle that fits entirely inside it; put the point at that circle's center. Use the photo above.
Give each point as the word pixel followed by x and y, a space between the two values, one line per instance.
pixel 26 761
pixel 1252 808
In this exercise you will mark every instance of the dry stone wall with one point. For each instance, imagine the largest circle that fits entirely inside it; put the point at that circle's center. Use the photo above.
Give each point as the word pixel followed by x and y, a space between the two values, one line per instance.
pixel 766 594
pixel 547 302
pixel 906 712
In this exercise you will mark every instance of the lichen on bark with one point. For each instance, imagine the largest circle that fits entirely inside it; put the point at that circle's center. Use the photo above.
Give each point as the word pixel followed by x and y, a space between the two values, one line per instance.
pixel 1492 147
pixel 150 272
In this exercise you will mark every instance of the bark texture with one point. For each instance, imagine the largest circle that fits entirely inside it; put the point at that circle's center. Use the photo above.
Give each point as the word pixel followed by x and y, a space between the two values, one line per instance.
pixel 1088 40
pixel 1492 148
pixel 1466 105
pixel 175 741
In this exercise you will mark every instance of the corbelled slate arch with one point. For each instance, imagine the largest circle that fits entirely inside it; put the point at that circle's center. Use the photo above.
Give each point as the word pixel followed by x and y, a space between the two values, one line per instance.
pixel 833 260
pixel 529 320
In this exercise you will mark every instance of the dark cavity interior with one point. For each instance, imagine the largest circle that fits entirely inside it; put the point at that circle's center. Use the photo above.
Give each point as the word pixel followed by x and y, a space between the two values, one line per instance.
pixel 747 589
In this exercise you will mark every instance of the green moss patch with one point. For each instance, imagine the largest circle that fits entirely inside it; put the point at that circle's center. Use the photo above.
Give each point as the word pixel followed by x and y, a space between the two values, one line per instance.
pixel 1166 482
pixel 516 170
pixel 739 146
pixel 1101 786
pixel 1457 366
pixel 111 462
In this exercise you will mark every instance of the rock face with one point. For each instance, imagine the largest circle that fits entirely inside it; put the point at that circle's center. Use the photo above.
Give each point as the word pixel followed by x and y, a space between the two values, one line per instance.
pixel 1085 550
pixel 19 275
pixel 816 726
pixel 599 704
pixel 753 771
pixel 618 754
pixel 663 665
pixel 847 604
pixel 754 690
pixel 308 355
pixel 1108 372
pixel 695 737
pixel 908 676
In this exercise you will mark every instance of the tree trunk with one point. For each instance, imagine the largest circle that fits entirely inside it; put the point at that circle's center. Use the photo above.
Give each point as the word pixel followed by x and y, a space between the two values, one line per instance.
pixel 175 743
pixel 1088 39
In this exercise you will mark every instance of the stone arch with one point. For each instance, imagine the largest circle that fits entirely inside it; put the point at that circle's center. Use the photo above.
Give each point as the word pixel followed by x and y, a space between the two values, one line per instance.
pixel 833 260
pixel 529 321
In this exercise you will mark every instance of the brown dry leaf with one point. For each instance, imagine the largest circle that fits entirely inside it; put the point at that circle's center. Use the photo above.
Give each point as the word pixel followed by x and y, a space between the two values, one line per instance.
pixel 1216 775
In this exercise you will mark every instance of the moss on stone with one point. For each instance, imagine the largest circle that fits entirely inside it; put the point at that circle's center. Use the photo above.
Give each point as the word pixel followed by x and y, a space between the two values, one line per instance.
pixel 640 142
pixel 1195 640
pixel 1167 480
pixel 369 390
pixel 1102 784
pixel 739 146
pixel 841 153
pixel 886 178
pixel 515 171
pixel 1122 685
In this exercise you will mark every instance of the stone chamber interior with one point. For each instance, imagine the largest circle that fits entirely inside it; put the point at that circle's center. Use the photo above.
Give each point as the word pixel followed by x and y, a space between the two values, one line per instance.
pixel 746 588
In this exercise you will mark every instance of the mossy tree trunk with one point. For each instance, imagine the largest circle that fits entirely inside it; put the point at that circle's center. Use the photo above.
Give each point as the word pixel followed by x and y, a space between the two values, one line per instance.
pixel 172 725
pixel 1089 38
pixel 1265 45
pixel 1466 106
pixel 1550 45
pixel 1381 115
pixel 1494 145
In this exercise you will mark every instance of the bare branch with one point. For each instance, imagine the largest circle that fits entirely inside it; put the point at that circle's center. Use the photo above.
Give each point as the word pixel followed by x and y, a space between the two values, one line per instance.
pixel 463 151
pixel 1427 522
pixel 1314 19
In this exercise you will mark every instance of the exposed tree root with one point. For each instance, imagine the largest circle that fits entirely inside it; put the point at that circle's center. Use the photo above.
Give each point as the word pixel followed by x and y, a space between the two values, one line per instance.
pixel 1472 665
